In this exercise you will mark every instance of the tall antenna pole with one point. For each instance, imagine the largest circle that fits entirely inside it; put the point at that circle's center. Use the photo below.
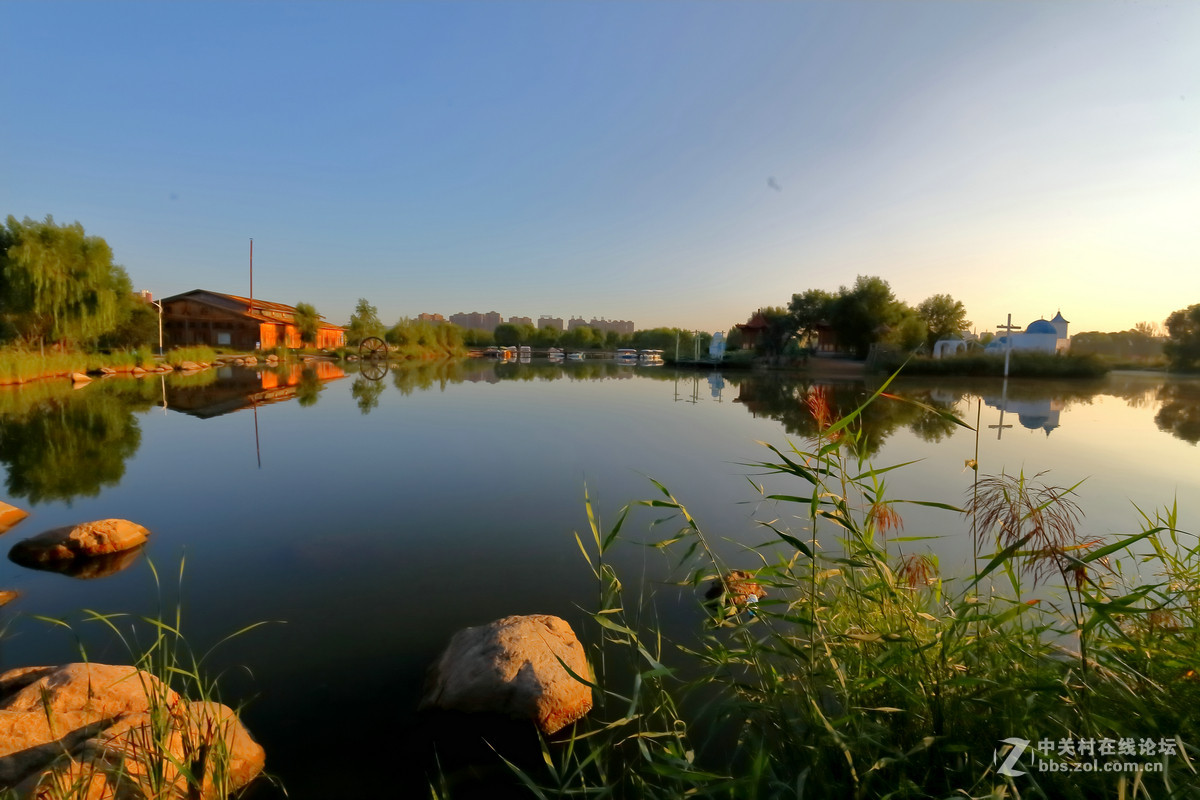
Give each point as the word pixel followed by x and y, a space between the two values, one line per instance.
pixel 251 273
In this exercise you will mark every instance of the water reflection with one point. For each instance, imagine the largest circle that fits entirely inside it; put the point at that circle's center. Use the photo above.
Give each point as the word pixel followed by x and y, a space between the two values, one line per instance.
pixel 1180 411
pixel 82 568
pixel 59 443
pixel 215 392
pixel 786 398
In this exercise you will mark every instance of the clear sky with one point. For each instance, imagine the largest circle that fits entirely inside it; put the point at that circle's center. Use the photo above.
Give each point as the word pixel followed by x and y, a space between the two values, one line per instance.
pixel 673 163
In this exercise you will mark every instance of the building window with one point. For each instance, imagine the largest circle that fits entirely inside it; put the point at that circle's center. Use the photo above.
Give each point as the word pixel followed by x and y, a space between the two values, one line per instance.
pixel 223 339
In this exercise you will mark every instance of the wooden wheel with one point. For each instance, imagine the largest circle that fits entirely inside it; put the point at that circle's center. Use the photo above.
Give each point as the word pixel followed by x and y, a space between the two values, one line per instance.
pixel 372 347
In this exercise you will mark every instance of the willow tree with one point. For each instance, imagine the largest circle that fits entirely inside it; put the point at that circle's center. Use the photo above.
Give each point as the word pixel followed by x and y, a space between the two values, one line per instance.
pixel 308 322
pixel 57 284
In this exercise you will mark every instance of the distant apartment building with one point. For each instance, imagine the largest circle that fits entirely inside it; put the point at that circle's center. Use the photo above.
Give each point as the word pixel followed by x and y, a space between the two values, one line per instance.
pixel 520 321
pixel 436 319
pixel 553 323
pixel 476 321
pixel 576 322
pixel 621 326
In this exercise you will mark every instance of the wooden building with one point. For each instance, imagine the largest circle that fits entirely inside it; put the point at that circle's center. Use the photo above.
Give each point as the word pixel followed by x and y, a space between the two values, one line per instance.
pixel 752 330
pixel 201 317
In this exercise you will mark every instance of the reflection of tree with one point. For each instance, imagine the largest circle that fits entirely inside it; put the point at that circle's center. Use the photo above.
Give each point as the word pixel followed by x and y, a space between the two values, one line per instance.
pixel 413 376
pixel 70 445
pixel 785 398
pixel 366 393
pixel 1180 412
pixel 308 387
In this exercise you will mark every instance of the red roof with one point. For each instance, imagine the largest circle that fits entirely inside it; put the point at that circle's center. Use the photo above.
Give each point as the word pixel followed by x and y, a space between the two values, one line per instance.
pixel 255 309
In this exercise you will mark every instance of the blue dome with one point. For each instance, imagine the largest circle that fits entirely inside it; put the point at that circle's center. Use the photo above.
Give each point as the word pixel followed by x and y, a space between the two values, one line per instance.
pixel 1041 326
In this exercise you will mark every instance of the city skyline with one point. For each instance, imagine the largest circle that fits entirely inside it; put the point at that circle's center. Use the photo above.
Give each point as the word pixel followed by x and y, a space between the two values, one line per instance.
pixel 681 164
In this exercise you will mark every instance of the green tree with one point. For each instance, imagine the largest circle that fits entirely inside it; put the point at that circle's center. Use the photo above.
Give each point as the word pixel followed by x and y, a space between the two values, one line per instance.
pixel 57 284
pixel 909 332
pixel 809 310
pixel 139 326
pixel 507 334
pixel 1183 338
pixel 943 317
pixel 781 327
pixel 364 323
pixel 307 323
pixel 865 314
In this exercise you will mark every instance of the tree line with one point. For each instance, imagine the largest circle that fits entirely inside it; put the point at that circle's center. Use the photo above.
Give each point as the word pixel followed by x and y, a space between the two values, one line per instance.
pixel 859 316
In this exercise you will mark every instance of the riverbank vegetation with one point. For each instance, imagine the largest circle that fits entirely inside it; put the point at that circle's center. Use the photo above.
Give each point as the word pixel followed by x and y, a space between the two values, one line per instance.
pixel 1061 666
pixel 1022 364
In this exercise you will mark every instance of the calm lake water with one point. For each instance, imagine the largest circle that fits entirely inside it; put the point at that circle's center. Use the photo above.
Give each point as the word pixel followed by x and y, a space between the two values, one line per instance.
pixel 373 518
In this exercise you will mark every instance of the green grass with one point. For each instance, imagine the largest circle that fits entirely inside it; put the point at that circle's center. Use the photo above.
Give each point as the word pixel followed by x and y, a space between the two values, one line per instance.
pixel 21 366
pixel 198 354
pixel 1021 365
pixel 865 673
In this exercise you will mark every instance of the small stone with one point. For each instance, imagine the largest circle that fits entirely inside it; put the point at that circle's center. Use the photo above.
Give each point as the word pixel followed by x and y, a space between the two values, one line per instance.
pixel 10 516
pixel 80 377
pixel 7 596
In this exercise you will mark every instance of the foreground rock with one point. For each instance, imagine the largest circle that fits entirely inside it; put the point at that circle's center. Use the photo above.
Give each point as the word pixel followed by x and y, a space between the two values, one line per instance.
pixel 10 516
pixel 511 667
pixel 85 540
pixel 88 727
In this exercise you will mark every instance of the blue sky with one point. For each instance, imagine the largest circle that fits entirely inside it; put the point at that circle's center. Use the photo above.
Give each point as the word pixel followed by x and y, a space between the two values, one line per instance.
pixel 673 163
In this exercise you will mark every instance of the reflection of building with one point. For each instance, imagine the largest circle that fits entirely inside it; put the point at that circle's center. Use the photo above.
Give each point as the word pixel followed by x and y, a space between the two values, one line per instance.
pixel 246 388
pixel 1042 336
pixel 201 317
pixel 1040 414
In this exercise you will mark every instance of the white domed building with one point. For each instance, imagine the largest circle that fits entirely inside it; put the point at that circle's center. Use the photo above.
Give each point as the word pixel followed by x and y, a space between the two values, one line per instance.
pixel 1042 336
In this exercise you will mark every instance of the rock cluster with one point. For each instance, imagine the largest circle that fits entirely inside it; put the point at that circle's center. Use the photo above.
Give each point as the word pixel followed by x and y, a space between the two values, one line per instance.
pixel 511 667
pixel 91 727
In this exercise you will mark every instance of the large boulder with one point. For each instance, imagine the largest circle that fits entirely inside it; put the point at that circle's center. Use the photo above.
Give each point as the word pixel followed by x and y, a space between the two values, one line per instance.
pixel 92 727
pixel 87 539
pixel 511 667
pixel 10 516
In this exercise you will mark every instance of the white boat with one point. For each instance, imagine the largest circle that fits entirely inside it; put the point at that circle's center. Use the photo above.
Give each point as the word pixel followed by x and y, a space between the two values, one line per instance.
pixel 627 355
pixel 650 357
pixel 575 356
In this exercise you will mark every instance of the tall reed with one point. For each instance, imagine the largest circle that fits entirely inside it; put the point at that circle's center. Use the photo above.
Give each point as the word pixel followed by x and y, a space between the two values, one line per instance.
pixel 867 673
